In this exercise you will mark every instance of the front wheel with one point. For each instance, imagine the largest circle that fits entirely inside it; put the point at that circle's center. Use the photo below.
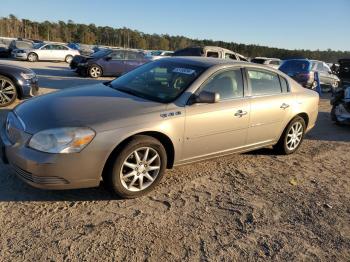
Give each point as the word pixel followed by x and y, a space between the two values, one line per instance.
pixel 32 57
pixel 8 91
pixel 138 167
pixel 292 137
pixel 95 71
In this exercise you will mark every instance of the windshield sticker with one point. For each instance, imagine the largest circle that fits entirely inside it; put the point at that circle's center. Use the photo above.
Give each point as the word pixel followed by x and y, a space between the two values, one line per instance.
pixel 185 71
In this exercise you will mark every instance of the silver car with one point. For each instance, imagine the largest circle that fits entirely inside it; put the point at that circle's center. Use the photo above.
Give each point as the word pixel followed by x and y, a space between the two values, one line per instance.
pixel 163 114
pixel 53 52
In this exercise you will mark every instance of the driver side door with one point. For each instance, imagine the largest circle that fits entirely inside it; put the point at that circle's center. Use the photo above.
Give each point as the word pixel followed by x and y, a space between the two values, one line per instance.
pixel 218 127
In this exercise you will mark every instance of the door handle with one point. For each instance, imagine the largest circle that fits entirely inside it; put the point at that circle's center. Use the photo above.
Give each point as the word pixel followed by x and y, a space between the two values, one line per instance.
pixel 240 113
pixel 284 106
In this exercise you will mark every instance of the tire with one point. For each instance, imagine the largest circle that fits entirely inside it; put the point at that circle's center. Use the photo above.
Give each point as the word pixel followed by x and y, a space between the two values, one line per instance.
pixel 32 57
pixel 95 71
pixel 8 91
pixel 68 59
pixel 285 146
pixel 139 179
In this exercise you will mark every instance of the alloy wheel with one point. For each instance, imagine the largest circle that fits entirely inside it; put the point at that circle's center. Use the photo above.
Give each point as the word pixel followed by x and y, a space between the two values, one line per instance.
pixel 294 136
pixel 7 91
pixel 32 57
pixel 140 169
pixel 95 71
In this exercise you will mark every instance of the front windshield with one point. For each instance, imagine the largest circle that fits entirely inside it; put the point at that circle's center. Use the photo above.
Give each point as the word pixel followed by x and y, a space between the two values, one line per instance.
pixel 38 45
pixel 161 81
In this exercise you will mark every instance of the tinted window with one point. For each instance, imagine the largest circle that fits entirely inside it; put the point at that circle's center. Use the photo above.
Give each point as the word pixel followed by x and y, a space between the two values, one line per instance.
pixel 189 52
pixel 101 53
pixel 118 55
pixel 258 61
pixel 228 84
pixel 47 47
pixel 295 66
pixel 212 54
pixel 242 58
pixel 161 81
pixel 133 55
pixel 230 56
pixel 284 84
pixel 263 83
pixel 274 62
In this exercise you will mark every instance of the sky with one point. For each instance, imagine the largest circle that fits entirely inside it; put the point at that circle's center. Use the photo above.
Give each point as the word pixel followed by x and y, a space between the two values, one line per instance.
pixel 298 24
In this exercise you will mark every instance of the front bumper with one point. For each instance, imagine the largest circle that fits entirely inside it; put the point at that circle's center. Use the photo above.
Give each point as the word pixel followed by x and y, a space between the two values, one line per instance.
pixel 50 171
pixel 20 56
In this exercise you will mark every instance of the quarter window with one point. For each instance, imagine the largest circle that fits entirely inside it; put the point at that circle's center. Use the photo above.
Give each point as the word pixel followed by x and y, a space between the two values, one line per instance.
pixel 284 84
pixel 264 83
pixel 228 84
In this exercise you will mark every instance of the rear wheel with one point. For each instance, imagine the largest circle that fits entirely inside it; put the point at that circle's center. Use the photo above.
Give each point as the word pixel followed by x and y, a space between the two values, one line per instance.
pixel 137 168
pixel 32 57
pixel 95 71
pixel 8 91
pixel 68 59
pixel 292 136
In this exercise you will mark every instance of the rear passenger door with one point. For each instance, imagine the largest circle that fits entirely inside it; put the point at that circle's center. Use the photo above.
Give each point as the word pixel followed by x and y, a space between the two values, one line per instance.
pixel 271 104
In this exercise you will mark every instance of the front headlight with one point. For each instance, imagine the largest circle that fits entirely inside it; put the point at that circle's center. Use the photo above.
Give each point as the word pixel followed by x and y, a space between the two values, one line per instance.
pixel 28 76
pixel 62 140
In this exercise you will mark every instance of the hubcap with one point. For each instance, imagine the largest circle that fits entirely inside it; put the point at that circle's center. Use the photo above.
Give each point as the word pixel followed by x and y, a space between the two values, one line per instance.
pixel 140 169
pixel 69 59
pixel 7 91
pixel 95 71
pixel 32 57
pixel 294 135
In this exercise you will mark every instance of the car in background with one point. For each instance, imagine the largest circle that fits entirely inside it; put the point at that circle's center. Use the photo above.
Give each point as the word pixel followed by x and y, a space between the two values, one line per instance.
pixel 16 82
pixel 46 52
pixel 168 112
pixel 300 71
pixel 328 80
pixel 344 71
pixel 210 51
pixel 272 62
pixel 20 44
pixel 109 62
pixel 154 55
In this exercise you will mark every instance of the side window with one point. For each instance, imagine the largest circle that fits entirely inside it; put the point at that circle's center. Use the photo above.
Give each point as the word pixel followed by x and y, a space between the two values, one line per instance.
pixel 326 68
pixel 319 67
pixel 118 55
pixel 263 82
pixel 274 62
pixel 230 56
pixel 228 84
pixel 284 84
pixel 133 56
pixel 47 47
pixel 212 54
pixel 241 58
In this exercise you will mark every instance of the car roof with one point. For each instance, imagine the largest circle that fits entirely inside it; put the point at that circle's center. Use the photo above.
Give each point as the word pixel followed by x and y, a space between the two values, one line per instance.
pixel 203 61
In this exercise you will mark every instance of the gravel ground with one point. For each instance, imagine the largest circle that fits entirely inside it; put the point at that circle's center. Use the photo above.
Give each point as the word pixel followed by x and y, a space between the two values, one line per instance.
pixel 246 207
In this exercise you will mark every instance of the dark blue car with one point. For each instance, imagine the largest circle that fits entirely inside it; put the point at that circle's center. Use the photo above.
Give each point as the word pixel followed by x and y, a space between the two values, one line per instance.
pixel 301 71
pixel 108 62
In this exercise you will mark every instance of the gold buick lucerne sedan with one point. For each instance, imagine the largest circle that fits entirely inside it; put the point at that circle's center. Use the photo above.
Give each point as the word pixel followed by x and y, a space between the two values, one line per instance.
pixel 170 112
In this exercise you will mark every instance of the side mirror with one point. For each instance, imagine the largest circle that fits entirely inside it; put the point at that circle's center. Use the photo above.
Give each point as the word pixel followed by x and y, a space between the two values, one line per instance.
pixel 205 97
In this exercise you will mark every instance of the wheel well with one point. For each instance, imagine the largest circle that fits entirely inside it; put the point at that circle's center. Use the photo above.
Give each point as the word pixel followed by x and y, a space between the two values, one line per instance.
pixel 164 139
pixel 305 117
pixel 14 80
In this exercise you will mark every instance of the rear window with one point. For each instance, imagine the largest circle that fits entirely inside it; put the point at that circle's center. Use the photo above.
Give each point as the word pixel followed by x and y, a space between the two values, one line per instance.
pixel 295 66
pixel 258 61
pixel 189 52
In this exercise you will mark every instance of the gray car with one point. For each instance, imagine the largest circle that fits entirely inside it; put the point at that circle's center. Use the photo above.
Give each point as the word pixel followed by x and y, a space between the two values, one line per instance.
pixel 163 114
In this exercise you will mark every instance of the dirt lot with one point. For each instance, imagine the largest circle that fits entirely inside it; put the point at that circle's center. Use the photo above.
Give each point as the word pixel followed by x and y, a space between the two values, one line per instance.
pixel 248 207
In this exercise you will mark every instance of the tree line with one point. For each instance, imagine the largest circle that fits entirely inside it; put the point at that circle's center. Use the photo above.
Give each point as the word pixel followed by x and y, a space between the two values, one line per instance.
pixel 91 34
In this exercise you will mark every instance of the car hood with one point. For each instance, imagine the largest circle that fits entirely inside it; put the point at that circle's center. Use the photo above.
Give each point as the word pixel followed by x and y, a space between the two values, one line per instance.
pixel 98 106
pixel 7 68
